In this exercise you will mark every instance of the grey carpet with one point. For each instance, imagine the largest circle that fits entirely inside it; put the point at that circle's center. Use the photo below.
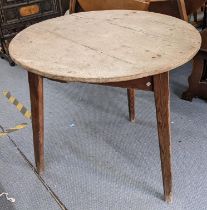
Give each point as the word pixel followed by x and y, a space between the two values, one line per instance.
pixel 19 181
pixel 95 158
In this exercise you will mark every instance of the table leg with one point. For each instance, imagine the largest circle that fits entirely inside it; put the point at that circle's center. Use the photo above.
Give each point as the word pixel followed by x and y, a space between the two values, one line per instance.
pixel 162 102
pixel 131 103
pixel 36 97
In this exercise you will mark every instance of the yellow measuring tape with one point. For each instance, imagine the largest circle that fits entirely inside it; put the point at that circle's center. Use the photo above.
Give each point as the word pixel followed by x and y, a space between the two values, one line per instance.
pixel 22 109
pixel 19 106
pixel 16 128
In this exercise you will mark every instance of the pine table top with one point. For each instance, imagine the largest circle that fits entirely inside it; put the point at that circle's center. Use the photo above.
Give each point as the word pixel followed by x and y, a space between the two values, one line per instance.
pixel 105 46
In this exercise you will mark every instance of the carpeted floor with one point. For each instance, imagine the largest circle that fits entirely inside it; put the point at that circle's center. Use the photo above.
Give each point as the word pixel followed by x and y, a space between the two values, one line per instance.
pixel 95 158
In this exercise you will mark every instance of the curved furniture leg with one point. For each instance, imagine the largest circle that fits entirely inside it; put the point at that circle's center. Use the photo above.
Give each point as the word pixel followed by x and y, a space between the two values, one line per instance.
pixel 162 102
pixel 197 84
pixel 36 97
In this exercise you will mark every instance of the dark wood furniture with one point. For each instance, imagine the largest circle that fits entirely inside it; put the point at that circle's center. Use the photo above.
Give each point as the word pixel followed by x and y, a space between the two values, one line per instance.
pixel 171 7
pixel 15 15
pixel 198 78
pixel 204 8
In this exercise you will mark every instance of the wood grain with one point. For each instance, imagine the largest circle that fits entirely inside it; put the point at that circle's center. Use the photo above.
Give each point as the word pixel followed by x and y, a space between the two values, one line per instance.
pixel 105 46
pixel 36 97
pixel 162 102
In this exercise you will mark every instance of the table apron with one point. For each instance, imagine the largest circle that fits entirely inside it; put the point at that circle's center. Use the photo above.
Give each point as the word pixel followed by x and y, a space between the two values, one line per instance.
pixel 145 83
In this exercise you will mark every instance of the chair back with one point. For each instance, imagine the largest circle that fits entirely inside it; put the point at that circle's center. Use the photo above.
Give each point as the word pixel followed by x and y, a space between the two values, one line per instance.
pixel 182 10
pixel 174 7
pixel 193 5
pixel 187 7
pixel 94 5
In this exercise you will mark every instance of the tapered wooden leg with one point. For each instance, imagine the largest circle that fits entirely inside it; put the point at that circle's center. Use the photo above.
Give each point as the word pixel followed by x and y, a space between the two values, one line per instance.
pixel 36 97
pixel 162 102
pixel 131 103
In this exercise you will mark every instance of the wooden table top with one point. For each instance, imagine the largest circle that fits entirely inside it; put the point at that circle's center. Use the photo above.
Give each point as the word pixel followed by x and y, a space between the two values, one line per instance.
pixel 105 46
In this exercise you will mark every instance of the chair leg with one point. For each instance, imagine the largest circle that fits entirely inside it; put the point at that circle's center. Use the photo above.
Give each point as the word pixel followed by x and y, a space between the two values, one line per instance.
pixel 36 98
pixel 131 103
pixel 162 102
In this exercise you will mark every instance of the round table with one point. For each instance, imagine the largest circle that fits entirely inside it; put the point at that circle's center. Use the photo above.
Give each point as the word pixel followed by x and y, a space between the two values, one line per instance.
pixel 129 49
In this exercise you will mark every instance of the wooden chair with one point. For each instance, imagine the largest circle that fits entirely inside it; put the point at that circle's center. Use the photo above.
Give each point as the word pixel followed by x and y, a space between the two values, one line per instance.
pixel 94 5
pixel 172 7
pixel 198 78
